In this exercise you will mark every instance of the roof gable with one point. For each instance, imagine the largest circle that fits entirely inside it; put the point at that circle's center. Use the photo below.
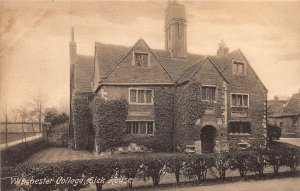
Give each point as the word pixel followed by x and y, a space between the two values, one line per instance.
pixel 248 78
pixel 125 71
pixel 190 72
pixel 222 62
pixel 275 107
pixel 293 106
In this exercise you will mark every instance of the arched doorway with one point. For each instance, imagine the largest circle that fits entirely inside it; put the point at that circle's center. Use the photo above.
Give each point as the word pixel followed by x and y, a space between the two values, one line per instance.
pixel 208 134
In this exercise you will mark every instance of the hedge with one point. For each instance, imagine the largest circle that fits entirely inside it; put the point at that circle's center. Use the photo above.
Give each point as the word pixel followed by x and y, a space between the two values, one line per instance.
pixel 99 171
pixel 18 153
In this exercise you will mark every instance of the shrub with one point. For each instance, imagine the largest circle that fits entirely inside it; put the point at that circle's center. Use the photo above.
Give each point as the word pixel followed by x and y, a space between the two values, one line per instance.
pixel 153 168
pixel 18 153
pixel 196 166
pixel 241 161
pixel 129 169
pixel 54 117
pixel 146 167
pixel 291 158
pixel 222 162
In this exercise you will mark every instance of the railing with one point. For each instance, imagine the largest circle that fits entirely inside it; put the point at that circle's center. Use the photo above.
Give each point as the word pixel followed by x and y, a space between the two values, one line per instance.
pixel 17 132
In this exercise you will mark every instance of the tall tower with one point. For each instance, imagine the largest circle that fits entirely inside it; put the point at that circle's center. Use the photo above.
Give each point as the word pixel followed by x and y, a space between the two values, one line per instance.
pixel 175 30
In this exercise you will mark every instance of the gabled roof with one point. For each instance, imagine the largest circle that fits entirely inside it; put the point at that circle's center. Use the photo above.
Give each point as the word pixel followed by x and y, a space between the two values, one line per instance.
pixel 275 107
pixel 109 56
pixel 293 106
pixel 221 62
pixel 190 72
pixel 129 50
pixel 175 67
pixel 83 72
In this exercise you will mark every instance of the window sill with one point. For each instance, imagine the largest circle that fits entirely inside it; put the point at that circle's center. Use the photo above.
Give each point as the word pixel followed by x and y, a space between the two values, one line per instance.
pixel 240 134
pixel 140 135
pixel 239 106
pixel 141 103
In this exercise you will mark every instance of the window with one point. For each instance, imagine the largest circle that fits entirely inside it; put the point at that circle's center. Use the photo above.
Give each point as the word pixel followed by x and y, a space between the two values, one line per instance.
pixel 238 127
pixel 239 100
pixel 140 128
pixel 178 30
pixel 238 68
pixel 141 59
pixel 141 96
pixel 208 93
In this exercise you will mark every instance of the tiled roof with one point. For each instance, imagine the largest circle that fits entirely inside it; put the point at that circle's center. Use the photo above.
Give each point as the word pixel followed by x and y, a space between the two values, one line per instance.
pixel 109 56
pixel 222 61
pixel 276 107
pixel 84 73
pixel 293 106
pixel 176 67
pixel 188 72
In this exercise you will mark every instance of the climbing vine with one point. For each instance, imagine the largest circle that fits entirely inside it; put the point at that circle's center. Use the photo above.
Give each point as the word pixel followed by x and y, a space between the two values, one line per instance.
pixel 109 119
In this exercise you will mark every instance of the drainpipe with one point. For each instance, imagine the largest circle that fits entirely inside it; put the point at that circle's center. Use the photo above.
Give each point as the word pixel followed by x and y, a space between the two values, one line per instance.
pixel 266 117
pixel 174 117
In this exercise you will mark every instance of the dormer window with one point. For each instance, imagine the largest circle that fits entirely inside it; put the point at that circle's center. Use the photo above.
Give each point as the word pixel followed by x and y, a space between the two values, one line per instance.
pixel 239 68
pixel 141 59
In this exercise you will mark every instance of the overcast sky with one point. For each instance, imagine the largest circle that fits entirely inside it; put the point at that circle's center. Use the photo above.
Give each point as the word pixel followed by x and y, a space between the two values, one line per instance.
pixel 34 39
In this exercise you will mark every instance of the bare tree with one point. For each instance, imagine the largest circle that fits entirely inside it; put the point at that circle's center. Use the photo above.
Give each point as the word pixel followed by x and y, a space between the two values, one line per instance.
pixel 23 113
pixel 37 104
pixel 15 115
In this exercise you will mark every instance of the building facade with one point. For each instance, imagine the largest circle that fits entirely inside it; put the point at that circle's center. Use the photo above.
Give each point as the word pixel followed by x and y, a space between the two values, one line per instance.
pixel 160 84
pixel 286 115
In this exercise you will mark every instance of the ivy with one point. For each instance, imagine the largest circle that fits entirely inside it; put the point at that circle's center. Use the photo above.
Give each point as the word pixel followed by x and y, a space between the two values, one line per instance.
pixel 189 108
pixel 82 123
pixel 109 119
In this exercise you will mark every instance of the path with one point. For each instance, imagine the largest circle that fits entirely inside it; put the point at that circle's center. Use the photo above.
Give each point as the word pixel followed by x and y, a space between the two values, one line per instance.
pixel 12 143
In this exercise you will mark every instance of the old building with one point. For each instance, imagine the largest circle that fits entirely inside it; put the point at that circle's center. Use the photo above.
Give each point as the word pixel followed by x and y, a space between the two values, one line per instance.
pixel 286 115
pixel 158 86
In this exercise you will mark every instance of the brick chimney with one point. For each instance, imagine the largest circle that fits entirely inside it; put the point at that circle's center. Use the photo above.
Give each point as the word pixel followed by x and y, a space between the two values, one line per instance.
pixel 223 49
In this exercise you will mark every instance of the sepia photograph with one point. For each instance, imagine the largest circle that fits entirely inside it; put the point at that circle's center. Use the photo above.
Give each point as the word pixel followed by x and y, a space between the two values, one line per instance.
pixel 149 95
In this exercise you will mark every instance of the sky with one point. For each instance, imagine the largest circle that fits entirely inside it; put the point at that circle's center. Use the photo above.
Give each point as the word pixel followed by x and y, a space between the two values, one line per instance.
pixel 35 35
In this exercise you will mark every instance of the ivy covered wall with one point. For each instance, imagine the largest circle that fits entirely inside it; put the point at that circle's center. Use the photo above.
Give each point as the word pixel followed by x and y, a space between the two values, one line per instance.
pixel 109 119
pixel 189 108
pixel 82 123
pixel 161 112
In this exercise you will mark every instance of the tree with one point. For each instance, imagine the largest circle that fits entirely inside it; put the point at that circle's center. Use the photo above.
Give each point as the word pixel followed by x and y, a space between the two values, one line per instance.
pixel 54 117
pixel 15 115
pixel 273 133
pixel 23 113
pixel 37 106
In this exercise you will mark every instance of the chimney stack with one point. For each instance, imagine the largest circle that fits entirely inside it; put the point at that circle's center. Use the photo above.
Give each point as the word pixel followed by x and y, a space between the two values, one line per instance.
pixel 223 49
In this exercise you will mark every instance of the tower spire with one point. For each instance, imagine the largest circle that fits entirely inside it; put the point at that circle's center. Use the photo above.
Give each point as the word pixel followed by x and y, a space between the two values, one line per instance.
pixel 72 34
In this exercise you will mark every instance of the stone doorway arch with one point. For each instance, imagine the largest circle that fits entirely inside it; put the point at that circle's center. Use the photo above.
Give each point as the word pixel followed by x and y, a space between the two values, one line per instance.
pixel 208 138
